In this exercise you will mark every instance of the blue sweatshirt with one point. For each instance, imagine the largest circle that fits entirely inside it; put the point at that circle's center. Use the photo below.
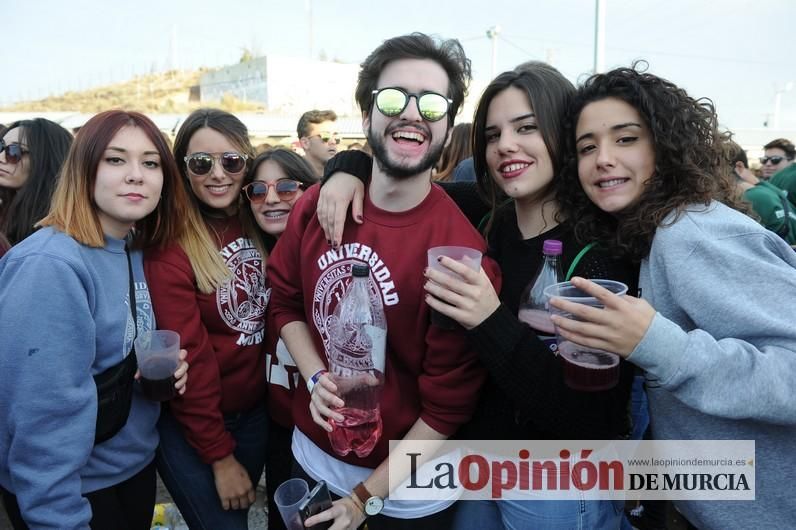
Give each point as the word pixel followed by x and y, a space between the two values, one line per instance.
pixel 64 317
pixel 720 354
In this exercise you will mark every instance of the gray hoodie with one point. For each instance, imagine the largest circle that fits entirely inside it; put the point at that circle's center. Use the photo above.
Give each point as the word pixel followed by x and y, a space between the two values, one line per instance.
pixel 720 355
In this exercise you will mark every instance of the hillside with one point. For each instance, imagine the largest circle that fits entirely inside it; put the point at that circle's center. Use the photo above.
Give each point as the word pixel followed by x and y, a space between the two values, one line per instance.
pixel 167 92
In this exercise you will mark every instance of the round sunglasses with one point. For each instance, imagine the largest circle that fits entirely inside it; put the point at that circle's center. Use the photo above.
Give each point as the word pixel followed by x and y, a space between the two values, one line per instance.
pixel 391 101
pixel 14 152
pixel 202 163
pixel 286 189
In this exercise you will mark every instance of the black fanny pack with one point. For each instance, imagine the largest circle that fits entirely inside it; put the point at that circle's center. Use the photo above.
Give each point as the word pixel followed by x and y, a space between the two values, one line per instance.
pixel 115 384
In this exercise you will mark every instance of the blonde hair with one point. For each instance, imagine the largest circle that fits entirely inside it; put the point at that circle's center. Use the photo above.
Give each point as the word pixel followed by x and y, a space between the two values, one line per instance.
pixel 197 242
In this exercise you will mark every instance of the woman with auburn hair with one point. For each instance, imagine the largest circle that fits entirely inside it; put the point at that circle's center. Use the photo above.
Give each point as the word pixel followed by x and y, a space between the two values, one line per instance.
pixel 714 329
pixel 73 297
pixel 210 288
pixel 32 154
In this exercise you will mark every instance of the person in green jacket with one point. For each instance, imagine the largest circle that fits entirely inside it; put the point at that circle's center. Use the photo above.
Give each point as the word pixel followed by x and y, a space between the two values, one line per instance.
pixel 768 201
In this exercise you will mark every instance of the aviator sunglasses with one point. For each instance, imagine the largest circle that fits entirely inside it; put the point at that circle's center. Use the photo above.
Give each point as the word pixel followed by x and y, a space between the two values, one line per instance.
pixel 773 159
pixel 325 137
pixel 13 152
pixel 202 163
pixel 391 101
pixel 257 191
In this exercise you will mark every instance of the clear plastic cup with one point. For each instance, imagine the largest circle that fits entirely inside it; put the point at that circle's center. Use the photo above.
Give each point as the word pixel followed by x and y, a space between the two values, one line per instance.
pixel 288 497
pixel 586 369
pixel 468 256
pixel 158 356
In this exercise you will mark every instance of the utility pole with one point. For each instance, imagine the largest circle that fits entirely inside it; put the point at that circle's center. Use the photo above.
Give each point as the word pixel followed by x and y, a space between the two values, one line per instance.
pixel 309 24
pixel 492 33
pixel 599 36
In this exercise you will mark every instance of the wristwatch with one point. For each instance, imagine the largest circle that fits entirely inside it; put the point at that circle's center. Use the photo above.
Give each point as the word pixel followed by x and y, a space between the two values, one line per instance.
pixel 372 504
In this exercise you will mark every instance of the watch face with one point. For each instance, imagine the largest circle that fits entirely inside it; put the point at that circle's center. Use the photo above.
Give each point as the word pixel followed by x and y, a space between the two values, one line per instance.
pixel 374 505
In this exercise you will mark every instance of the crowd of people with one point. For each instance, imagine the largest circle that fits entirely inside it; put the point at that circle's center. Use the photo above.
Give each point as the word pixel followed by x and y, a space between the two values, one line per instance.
pixel 245 253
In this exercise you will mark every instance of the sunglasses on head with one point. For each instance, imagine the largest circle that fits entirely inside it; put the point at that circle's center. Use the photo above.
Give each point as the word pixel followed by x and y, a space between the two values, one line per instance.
pixel 773 159
pixel 325 137
pixel 202 163
pixel 13 152
pixel 392 101
pixel 257 191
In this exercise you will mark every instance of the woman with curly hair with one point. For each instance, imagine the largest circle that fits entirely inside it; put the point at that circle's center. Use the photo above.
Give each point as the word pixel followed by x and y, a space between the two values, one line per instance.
pixel 648 180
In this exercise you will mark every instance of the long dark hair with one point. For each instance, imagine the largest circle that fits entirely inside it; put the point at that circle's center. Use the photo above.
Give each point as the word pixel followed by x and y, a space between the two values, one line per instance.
pixel 48 144
pixel 690 162
pixel 549 94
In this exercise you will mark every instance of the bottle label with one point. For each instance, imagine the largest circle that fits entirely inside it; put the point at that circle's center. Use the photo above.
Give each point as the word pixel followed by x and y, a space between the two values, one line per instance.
pixel 378 352
pixel 551 342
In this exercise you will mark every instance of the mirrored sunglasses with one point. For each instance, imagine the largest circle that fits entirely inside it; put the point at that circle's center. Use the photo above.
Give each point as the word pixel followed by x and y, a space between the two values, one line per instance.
pixel 14 152
pixel 202 163
pixel 257 191
pixel 392 101
pixel 773 159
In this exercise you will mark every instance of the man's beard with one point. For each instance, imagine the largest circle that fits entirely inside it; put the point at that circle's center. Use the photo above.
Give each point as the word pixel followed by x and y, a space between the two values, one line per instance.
pixel 378 145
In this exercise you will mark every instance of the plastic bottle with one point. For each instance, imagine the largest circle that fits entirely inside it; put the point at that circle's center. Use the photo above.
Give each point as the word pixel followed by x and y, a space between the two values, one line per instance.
pixel 533 303
pixel 357 349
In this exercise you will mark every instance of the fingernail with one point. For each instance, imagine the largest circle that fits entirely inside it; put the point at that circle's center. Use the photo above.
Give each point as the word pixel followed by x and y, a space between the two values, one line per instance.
pixel 439 258
pixel 328 241
pixel 359 218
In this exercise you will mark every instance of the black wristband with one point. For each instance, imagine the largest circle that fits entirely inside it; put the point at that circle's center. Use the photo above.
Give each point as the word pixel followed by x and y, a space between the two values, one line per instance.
pixel 354 162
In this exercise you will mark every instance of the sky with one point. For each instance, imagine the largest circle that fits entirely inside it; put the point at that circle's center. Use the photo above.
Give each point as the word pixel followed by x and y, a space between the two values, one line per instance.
pixel 739 53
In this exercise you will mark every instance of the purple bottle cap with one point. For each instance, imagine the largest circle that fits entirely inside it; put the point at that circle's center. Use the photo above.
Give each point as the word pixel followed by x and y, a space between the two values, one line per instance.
pixel 553 247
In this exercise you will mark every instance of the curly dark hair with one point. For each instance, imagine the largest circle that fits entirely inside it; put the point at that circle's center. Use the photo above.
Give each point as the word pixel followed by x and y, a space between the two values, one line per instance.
pixel 690 161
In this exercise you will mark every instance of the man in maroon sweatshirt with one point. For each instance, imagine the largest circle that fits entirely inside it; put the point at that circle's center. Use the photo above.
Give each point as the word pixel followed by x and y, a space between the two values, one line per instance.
pixel 409 90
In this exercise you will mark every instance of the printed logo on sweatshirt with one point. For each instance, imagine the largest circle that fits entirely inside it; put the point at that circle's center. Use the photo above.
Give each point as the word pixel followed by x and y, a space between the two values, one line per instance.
pixel 143 308
pixel 336 275
pixel 242 299
pixel 282 370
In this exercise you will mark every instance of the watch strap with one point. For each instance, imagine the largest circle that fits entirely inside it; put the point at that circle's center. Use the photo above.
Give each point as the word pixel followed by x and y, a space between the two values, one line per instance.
pixel 362 493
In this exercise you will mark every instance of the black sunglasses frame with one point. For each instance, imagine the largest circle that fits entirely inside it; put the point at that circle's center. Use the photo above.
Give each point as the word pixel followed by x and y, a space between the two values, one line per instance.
pixel 776 159
pixel 260 197
pixel 223 157
pixel 409 95
pixel 14 152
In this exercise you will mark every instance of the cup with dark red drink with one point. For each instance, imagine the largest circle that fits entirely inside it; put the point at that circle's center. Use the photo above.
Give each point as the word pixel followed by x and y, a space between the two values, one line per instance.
pixel 586 369
pixel 158 355
pixel 468 256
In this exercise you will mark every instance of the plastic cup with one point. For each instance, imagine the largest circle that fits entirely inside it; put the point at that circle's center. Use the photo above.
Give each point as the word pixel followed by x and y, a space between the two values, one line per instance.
pixel 288 497
pixel 158 355
pixel 586 369
pixel 468 256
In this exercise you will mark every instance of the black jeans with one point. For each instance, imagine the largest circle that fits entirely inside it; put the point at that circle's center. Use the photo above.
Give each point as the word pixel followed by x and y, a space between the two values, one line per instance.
pixel 124 506
pixel 278 467
pixel 439 521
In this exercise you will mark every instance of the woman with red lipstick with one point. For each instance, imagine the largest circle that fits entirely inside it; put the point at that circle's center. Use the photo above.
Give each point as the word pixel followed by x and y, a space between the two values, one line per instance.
pixel 210 288
pixel 518 152
pixel 276 180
